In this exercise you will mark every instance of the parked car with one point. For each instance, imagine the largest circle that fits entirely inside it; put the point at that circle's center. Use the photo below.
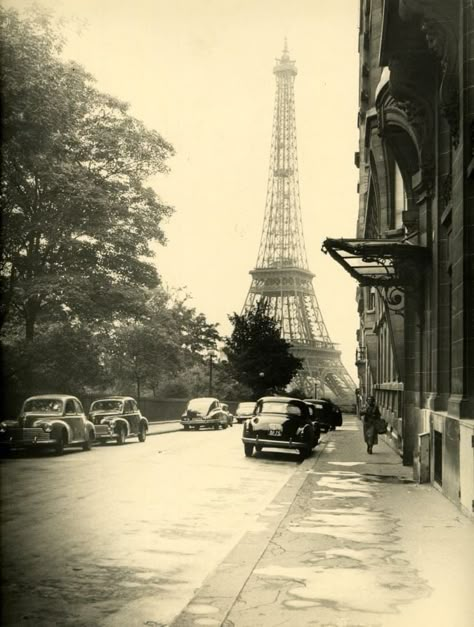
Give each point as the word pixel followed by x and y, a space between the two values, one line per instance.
pixel 230 417
pixel 336 419
pixel 314 419
pixel 205 412
pixel 328 415
pixel 118 418
pixel 244 410
pixel 50 421
pixel 279 422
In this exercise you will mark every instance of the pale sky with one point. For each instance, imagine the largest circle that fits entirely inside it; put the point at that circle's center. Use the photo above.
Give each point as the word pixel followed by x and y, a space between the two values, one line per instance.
pixel 200 73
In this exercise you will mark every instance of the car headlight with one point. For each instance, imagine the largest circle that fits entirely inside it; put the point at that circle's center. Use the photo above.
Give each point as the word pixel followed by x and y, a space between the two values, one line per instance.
pixel 46 427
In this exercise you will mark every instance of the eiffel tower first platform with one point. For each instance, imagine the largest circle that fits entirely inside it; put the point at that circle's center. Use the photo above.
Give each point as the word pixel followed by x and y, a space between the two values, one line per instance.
pixel 282 277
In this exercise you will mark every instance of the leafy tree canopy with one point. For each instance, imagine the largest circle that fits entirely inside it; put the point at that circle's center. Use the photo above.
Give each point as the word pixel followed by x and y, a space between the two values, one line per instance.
pixel 78 216
pixel 258 357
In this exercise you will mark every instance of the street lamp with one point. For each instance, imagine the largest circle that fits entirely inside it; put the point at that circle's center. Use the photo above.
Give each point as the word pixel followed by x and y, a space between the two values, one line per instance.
pixel 211 354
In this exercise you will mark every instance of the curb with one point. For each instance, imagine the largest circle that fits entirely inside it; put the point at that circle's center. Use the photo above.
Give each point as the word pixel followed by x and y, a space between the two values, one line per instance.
pixel 222 587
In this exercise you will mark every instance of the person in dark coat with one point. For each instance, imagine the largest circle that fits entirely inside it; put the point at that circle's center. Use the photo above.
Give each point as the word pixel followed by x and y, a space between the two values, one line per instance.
pixel 370 414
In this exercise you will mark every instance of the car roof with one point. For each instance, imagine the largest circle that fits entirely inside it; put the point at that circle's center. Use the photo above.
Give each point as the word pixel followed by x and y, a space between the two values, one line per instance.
pixel 316 400
pixel 279 399
pixel 58 397
pixel 114 398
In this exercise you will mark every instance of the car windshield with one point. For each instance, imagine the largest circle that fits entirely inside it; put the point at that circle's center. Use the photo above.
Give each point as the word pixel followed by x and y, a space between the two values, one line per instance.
pixel 200 405
pixel 44 406
pixel 107 405
pixel 245 408
pixel 276 407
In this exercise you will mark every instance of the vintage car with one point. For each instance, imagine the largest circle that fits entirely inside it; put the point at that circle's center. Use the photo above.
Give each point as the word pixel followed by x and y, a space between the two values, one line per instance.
pixel 327 416
pixel 205 412
pixel 118 418
pixel 314 419
pixel 244 411
pixel 279 422
pixel 50 420
pixel 230 417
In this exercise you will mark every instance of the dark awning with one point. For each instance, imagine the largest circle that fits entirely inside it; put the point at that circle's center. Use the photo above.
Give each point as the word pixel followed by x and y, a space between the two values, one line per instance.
pixel 378 261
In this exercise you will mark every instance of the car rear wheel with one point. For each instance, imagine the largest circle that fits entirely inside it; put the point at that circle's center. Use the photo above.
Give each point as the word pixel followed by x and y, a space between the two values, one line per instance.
pixel 305 452
pixel 248 450
pixel 186 427
pixel 121 436
pixel 87 444
pixel 142 433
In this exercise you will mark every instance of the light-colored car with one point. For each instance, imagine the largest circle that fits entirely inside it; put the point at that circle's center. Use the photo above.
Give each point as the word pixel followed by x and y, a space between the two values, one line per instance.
pixel 49 420
pixel 205 412
pixel 244 410
pixel 118 418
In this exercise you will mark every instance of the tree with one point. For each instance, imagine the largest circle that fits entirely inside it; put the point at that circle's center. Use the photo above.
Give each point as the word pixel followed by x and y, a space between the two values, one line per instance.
pixel 78 217
pixel 258 357
pixel 153 349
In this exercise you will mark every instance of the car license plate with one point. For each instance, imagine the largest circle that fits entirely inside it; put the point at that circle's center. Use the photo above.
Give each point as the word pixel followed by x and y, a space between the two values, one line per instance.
pixel 274 430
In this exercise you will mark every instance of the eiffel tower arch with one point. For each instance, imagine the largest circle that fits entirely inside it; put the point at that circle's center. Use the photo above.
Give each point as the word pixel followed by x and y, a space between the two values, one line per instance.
pixel 282 277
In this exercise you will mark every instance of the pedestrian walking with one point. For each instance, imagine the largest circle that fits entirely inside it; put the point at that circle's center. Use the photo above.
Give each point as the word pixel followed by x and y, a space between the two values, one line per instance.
pixel 371 414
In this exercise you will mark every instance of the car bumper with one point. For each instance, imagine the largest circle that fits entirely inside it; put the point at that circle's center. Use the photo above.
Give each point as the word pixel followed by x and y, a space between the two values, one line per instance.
pixel 24 438
pixel 200 423
pixel 103 431
pixel 274 443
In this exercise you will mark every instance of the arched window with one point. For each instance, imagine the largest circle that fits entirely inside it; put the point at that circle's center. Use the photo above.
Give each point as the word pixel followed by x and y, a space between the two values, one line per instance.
pixel 399 197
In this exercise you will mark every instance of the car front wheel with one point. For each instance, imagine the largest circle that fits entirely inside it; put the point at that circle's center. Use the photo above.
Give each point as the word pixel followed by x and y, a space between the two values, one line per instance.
pixel 121 436
pixel 60 443
pixel 142 434
pixel 248 450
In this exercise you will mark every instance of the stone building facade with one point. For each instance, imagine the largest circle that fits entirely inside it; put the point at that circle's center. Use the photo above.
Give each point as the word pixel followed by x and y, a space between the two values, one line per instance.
pixel 413 256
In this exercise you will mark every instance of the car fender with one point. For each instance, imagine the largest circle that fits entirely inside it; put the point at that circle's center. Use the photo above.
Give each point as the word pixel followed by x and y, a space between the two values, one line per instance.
pixel 117 423
pixel 90 429
pixel 56 427
pixel 143 421
pixel 305 430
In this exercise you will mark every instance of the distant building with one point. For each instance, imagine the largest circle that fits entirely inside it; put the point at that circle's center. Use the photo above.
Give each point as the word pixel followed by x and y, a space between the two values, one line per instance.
pixel 414 252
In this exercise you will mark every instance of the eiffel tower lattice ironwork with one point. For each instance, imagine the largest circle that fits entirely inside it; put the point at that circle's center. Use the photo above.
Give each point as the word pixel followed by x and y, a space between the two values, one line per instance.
pixel 282 276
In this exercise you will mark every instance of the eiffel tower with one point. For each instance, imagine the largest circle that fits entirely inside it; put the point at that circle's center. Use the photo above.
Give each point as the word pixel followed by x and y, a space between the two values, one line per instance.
pixel 282 277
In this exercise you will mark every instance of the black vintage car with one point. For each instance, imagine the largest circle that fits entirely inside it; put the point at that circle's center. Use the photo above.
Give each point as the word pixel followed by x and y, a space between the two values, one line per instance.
pixel 279 422
pixel 118 418
pixel 327 413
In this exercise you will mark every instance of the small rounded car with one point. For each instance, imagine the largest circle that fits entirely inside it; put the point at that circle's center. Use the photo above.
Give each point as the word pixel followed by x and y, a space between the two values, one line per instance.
pixel 118 418
pixel 279 422
pixel 244 410
pixel 230 417
pixel 205 412
pixel 51 421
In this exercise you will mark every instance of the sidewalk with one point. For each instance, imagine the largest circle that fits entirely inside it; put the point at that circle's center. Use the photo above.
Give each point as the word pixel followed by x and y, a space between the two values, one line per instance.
pixel 350 541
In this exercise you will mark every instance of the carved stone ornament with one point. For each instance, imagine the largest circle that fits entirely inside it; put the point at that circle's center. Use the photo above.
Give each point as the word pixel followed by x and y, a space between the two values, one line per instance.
pixel 439 20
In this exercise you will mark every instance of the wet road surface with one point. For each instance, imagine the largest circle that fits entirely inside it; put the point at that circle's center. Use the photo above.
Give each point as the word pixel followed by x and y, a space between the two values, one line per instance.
pixel 122 536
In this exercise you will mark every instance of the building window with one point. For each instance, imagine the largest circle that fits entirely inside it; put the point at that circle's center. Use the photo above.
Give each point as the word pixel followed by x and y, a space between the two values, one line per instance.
pixel 399 198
